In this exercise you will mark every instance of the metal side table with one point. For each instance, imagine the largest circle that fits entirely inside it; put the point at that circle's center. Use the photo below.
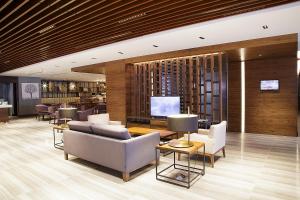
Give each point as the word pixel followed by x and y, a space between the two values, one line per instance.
pixel 185 168
pixel 58 129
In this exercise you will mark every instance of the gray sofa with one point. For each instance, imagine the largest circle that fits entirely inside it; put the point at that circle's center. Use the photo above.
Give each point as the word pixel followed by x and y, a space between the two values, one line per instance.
pixel 110 146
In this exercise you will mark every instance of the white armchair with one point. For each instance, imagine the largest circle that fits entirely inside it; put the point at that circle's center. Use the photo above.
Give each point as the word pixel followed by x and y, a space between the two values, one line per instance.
pixel 214 139
pixel 103 119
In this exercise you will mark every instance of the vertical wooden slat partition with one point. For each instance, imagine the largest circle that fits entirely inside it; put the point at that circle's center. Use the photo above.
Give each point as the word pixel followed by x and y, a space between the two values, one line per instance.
pixel 196 79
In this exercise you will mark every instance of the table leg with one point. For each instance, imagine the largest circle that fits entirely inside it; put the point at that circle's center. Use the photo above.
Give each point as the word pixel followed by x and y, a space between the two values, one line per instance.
pixel 156 162
pixel 174 160
pixel 54 137
pixel 203 171
pixel 189 170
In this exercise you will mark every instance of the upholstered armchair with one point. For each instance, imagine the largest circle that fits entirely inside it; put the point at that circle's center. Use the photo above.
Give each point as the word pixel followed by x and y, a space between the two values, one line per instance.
pixel 103 119
pixel 41 111
pixel 83 114
pixel 214 139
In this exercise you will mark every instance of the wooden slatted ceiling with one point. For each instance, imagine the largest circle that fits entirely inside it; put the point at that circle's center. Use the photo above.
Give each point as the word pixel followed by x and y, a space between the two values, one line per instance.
pixel 34 31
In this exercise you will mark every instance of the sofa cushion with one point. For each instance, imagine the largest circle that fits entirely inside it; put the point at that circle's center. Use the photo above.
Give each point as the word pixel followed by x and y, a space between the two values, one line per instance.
pixel 99 118
pixel 111 131
pixel 80 126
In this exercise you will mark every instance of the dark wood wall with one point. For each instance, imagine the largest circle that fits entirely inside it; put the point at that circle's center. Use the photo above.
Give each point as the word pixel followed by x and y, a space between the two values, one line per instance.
pixel 271 112
pixel 234 96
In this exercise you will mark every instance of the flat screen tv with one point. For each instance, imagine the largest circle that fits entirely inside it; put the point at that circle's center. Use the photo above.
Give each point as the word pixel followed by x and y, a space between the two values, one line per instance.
pixel 164 106
pixel 269 85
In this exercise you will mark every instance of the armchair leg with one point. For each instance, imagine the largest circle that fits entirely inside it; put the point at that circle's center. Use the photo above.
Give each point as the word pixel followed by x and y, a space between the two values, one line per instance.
pixel 224 154
pixel 179 156
pixel 212 160
pixel 66 156
pixel 125 176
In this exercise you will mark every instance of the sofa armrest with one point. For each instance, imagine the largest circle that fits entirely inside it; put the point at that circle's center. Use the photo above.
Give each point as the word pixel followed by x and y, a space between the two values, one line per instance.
pixel 140 151
pixel 209 142
pixel 115 123
pixel 203 131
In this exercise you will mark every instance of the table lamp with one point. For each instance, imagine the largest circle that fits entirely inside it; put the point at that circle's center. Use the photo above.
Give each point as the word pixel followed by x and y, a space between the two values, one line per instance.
pixel 182 123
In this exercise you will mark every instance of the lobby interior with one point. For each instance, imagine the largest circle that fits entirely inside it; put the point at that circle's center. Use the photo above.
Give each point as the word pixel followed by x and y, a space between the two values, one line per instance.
pixel 94 94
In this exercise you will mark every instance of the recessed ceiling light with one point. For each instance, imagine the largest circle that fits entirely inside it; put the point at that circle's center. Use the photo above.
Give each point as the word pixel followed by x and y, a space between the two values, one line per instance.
pixel 120 52
pixel 93 58
pixel 73 62
pixel 56 66
pixel 202 38
pixel 132 17
pixel 265 26
pixel 46 29
pixel 260 55
pixel 155 45
pixel 44 48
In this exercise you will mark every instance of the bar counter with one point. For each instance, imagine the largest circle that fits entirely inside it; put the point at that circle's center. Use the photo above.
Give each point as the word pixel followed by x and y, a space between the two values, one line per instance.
pixel 4 113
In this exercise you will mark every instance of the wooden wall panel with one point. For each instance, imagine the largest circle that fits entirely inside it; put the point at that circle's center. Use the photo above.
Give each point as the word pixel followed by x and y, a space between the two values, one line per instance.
pixel 271 112
pixel 184 82
pixel 234 97
pixel 116 84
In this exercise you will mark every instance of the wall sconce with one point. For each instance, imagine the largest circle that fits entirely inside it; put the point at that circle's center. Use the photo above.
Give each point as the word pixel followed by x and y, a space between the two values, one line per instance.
pixel 72 86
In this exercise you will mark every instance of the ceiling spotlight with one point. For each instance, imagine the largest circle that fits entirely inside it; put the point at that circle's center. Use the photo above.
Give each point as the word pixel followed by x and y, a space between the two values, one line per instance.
pixel 260 55
pixel 46 29
pixel 132 17
pixel 93 58
pixel 56 66
pixel 44 48
pixel 155 45
pixel 120 52
pixel 73 62
pixel 202 38
pixel 265 26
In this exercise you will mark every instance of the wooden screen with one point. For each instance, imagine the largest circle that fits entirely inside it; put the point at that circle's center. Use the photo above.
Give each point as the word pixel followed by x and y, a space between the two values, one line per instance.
pixel 196 79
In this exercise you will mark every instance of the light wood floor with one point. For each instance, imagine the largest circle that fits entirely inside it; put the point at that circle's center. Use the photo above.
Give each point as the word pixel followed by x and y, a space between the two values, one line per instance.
pixel 256 167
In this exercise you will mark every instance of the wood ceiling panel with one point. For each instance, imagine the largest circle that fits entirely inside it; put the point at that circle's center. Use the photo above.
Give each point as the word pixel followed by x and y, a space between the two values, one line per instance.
pixel 151 24
pixel 34 31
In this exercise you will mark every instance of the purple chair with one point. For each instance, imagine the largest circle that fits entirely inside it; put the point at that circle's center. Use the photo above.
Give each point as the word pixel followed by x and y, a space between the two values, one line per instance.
pixel 41 111
pixel 83 114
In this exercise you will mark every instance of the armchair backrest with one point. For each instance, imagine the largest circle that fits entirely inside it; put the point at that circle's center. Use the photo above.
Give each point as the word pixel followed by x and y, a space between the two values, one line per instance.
pixel 99 118
pixel 218 132
pixel 41 108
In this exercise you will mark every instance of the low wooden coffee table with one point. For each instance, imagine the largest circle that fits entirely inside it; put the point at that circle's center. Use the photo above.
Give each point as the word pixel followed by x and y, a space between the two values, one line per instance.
pixel 164 134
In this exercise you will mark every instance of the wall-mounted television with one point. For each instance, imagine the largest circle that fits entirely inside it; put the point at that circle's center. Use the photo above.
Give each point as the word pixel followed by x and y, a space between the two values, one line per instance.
pixel 269 85
pixel 164 106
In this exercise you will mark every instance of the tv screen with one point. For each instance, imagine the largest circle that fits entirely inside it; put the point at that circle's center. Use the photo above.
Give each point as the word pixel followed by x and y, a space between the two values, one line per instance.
pixel 269 85
pixel 164 106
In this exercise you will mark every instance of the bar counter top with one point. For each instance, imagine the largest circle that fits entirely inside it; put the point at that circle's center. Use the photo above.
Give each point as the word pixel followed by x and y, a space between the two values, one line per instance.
pixel 5 106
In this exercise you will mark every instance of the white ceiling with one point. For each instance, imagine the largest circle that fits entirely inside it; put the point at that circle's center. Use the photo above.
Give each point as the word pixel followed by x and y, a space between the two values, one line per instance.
pixel 280 20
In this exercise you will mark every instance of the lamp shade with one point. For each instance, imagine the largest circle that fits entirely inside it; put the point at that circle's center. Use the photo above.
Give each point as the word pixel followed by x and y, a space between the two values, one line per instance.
pixel 183 122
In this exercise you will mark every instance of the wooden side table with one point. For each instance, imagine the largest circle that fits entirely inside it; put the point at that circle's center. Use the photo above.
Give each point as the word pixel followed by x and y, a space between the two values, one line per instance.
pixel 58 129
pixel 185 168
